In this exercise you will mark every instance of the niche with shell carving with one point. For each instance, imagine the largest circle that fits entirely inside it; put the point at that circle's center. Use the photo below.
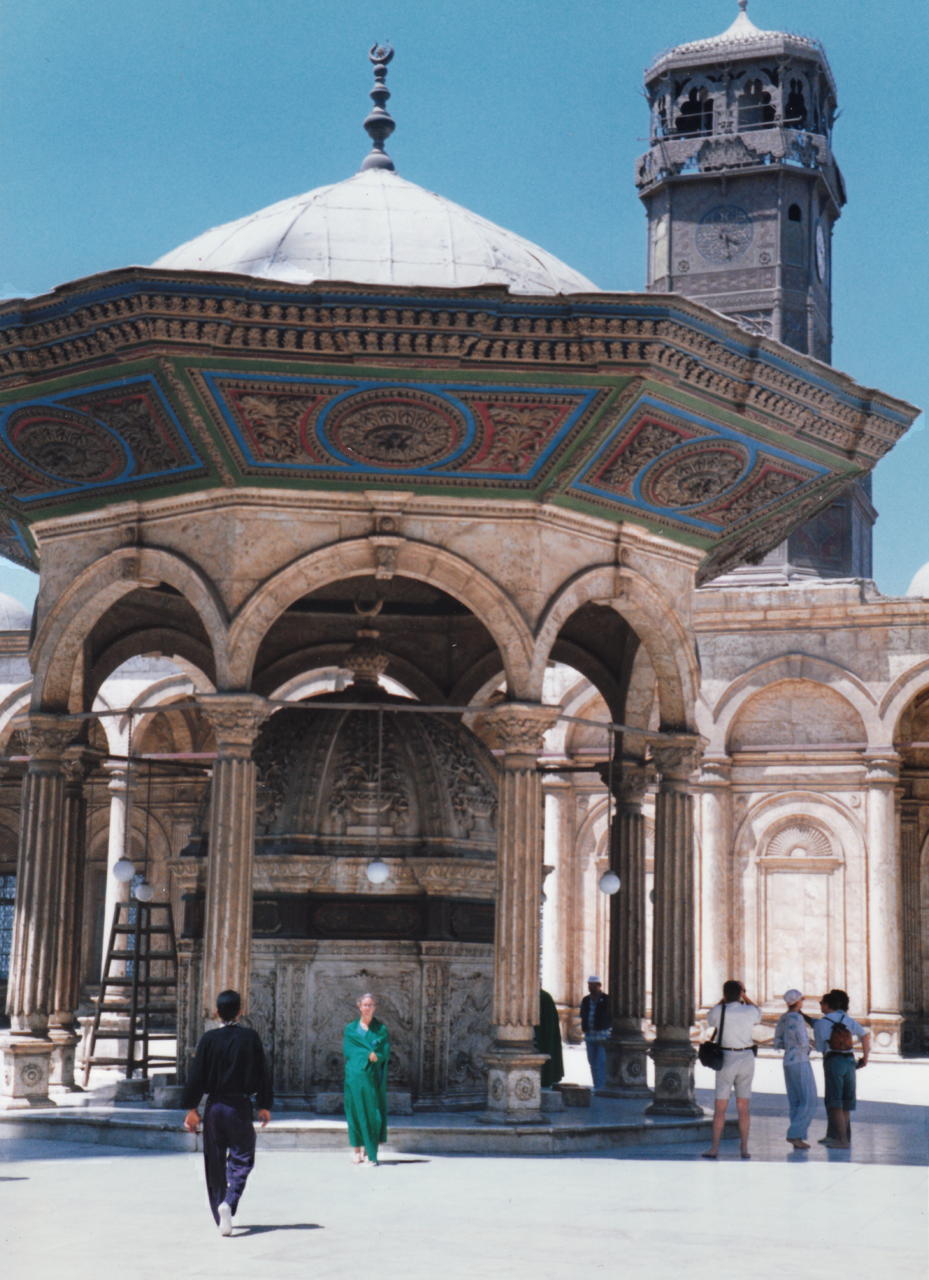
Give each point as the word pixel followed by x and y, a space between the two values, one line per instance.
pixel 800 897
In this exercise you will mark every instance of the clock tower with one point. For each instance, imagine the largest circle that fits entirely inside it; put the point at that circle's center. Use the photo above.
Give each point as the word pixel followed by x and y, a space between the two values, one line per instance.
pixel 742 192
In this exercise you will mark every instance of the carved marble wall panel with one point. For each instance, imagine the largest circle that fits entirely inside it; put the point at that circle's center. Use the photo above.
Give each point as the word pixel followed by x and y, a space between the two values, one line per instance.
pixel 434 997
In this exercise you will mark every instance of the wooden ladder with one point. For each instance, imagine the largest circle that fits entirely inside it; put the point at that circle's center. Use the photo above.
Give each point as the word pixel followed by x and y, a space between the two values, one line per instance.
pixel 139 984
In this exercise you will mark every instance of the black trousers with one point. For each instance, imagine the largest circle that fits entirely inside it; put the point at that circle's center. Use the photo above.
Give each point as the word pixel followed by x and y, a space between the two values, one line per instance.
pixel 228 1150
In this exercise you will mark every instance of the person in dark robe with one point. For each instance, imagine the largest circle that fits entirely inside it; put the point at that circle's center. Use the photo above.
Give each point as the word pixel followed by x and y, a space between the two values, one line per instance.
pixel 229 1066
pixel 547 1039
pixel 366 1047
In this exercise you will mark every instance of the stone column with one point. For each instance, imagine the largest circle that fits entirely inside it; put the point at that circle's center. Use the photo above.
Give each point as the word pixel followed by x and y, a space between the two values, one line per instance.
pixel 513 1078
pixel 227 931
pixel 885 954
pixel 557 915
pixel 26 1051
pixel 66 979
pixel 912 939
pixel 714 797
pixel 627 1048
pixel 673 951
pixel 117 846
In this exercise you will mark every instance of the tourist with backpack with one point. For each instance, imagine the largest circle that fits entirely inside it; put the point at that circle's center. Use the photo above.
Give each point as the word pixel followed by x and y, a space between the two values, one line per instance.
pixel 834 1035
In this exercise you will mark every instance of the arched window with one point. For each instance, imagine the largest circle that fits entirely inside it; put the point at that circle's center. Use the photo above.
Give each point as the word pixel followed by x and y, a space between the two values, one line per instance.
pixel 755 109
pixel 794 213
pixel 795 113
pixel 696 114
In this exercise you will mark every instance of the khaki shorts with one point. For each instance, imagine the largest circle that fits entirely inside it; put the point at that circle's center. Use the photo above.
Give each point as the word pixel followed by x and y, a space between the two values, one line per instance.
pixel 737 1072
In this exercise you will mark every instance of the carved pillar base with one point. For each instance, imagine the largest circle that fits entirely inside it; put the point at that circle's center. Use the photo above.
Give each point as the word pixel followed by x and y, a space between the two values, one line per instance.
pixel 674 1079
pixel 61 1063
pixel 886 1034
pixel 24 1071
pixel 626 1065
pixel 514 1089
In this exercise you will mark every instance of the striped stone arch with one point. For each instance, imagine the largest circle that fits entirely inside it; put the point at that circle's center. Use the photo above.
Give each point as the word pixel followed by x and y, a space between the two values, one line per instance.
pixel 717 722
pixel 652 616
pixel 56 655
pixel 357 558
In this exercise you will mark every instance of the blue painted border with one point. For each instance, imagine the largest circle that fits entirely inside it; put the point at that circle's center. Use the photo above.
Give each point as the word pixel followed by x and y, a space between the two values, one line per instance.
pixel 59 399
pixel 443 391
pixel 662 408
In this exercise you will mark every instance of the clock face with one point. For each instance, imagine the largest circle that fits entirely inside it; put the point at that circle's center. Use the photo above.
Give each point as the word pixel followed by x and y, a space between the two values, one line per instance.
pixel 820 251
pixel 724 233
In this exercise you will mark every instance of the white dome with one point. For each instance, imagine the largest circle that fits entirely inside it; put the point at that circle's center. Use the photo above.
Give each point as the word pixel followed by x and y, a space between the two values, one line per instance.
pixel 13 615
pixel 920 584
pixel 376 228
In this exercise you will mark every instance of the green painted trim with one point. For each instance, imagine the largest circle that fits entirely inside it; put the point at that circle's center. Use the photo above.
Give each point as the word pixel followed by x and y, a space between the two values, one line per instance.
pixel 449 373
pixel 87 377
pixel 804 448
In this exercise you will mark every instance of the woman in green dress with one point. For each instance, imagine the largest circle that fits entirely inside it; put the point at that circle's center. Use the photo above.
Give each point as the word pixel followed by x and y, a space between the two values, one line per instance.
pixel 366 1046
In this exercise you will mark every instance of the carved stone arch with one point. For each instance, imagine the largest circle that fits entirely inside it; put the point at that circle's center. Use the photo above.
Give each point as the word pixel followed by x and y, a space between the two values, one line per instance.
pixel 186 652
pixel 716 722
pixel 156 702
pixel 356 558
pixel 585 702
pixel 771 812
pixel 790 713
pixel 592 831
pixel 14 704
pixel 577 699
pixel 899 695
pixel 477 685
pixel 652 617
pixel 795 666
pixel 641 701
pixel 698 82
pixel 58 648
pixel 592 670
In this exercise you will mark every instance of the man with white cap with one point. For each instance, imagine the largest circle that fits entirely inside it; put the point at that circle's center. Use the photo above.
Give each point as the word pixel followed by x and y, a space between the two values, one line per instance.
pixel 793 1036
pixel 596 1024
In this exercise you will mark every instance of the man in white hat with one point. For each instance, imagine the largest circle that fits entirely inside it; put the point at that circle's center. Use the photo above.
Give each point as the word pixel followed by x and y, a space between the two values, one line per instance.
pixel 792 1034
pixel 596 1024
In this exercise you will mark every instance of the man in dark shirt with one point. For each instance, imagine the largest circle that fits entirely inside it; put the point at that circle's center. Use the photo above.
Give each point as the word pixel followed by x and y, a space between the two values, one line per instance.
pixel 596 1021
pixel 229 1066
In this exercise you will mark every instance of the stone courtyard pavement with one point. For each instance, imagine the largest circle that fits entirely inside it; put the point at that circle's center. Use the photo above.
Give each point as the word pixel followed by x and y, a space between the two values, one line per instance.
pixel 75 1211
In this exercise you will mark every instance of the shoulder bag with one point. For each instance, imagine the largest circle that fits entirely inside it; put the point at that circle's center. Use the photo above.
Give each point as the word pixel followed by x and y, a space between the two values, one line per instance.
pixel 710 1053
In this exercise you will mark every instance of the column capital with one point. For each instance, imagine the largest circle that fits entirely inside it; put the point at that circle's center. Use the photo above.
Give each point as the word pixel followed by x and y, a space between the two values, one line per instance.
pixel 78 761
pixel 518 728
pixel 633 783
pixel 676 755
pixel 630 779
pixel 715 771
pixel 48 734
pixel 883 768
pixel 236 719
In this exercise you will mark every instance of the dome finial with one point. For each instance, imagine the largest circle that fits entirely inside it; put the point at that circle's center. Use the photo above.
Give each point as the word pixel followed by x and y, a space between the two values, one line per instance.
pixel 379 123
pixel 743 5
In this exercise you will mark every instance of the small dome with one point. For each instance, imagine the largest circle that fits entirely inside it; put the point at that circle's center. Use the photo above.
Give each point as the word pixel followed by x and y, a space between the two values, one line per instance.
pixel 920 584
pixel 376 228
pixel 13 615
pixel 741 39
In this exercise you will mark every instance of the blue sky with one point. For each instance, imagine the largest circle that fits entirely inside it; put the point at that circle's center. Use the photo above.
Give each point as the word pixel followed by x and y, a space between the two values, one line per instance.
pixel 130 126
